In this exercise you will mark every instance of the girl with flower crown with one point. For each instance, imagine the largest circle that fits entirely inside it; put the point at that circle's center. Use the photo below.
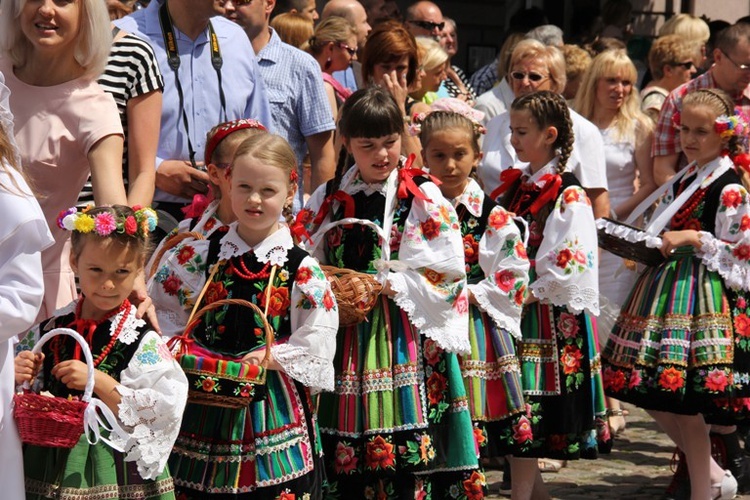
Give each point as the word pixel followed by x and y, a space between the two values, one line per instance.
pixel 680 345
pixel 136 376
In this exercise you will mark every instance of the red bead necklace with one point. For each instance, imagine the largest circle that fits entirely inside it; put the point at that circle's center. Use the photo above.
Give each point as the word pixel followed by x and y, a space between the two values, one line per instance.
pixel 90 327
pixel 245 273
pixel 686 211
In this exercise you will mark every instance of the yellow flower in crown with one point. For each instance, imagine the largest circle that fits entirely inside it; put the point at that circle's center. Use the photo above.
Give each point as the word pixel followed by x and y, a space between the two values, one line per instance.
pixel 84 223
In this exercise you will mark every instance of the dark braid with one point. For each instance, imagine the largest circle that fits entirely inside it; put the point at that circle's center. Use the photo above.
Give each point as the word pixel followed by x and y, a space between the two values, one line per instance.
pixel 341 166
pixel 549 109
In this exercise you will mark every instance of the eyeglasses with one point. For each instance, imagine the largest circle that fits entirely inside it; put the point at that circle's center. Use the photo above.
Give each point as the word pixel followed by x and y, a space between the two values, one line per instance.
pixel 688 65
pixel 741 67
pixel 428 25
pixel 352 50
pixel 236 3
pixel 533 77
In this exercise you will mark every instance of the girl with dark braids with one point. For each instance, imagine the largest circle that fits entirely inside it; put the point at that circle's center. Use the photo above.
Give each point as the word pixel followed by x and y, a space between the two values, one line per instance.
pixel 558 350
pixel 679 347
pixel 397 425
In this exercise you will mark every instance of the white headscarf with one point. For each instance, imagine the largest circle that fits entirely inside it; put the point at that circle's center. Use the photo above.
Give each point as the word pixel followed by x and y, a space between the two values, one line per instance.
pixel 6 118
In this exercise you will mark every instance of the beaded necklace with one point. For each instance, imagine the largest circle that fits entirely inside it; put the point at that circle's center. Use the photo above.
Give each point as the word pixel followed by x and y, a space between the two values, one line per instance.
pixel 89 327
pixel 245 273
pixel 686 211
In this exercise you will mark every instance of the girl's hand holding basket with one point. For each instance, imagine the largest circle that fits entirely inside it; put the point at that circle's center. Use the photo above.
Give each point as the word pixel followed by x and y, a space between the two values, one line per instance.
pixel 27 365
pixel 73 373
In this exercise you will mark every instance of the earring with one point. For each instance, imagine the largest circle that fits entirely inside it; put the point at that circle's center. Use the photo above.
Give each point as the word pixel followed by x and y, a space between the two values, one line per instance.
pixel 328 63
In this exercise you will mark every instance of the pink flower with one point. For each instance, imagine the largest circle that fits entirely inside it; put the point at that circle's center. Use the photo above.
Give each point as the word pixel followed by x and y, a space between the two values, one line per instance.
pixel 522 431
pixel 716 380
pixel 461 305
pixel 741 303
pixel 635 379
pixel 104 223
pixel 568 325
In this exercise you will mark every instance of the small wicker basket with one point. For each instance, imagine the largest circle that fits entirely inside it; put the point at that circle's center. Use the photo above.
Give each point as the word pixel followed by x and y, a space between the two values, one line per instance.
pixel 356 293
pixel 214 381
pixel 53 421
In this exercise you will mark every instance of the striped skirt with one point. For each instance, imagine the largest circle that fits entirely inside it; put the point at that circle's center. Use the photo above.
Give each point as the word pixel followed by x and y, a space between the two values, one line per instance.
pixel 398 424
pixel 263 451
pixel 674 348
pixel 492 377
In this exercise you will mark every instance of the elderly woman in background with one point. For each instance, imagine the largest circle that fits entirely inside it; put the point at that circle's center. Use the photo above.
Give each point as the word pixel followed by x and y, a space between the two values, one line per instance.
pixel 293 28
pixel 433 60
pixel 535 66
pixel 65 125
pixel 456 84
pixel 672 63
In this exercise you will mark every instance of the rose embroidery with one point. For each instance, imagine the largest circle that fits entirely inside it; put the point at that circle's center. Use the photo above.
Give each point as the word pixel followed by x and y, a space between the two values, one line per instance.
pixel 571 359
pixel 172 285
pixel 436 385
pixel 742 325
pixel 379 454
pixel 346 461
pixel 568 325
pixel 731 198
pixel 430 229
pixel 278 301
pixel 214 292
pixel 498 219
pixel 716 380
pixel 185 254
pixel 522 432
pixel 505 280
pixel 671 379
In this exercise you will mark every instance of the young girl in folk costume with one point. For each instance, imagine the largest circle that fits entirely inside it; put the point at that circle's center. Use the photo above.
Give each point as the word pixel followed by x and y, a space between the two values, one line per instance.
pixel 497 271
pixel 271 448
pixel 558 351
pixel 398 425
pixel 673 350
pixel 136 376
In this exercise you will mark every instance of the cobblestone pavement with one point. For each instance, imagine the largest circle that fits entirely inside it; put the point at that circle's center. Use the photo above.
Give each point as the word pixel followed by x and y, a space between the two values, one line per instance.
pixel 637 468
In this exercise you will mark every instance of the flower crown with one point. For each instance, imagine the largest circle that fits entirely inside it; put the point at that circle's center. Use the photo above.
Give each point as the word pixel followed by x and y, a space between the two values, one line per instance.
pixel 737 125
pixel 138 224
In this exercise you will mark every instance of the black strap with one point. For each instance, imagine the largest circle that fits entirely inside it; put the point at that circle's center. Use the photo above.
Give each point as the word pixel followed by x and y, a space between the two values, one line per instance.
pixel 173 58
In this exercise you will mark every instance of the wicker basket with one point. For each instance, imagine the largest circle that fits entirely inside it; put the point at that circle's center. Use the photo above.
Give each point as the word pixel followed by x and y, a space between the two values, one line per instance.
pixel 214 381
pixel 53 421
pixel 168 245
pixel 356 293
pixel 638 252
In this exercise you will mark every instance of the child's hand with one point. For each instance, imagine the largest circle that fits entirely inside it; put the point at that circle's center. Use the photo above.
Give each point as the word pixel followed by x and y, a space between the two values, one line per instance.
pixel 675 239
pixel 27 365
pixel 73 373
pixel 256 357
pixel 472 298
pixel 387 290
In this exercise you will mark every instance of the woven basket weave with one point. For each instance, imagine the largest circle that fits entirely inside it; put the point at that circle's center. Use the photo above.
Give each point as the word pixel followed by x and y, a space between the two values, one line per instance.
pixel 356 293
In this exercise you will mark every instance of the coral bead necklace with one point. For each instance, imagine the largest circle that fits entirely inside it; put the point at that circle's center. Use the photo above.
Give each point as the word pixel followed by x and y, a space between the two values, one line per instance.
pixel 87 328
pixel 243 272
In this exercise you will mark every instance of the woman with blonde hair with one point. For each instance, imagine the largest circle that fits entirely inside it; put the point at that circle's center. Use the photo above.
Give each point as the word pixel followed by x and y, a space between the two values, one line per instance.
pixel 608 98
pixel 293 28
pixel 334 45
pixel 433 60
pixel 692 29
pixel 65 125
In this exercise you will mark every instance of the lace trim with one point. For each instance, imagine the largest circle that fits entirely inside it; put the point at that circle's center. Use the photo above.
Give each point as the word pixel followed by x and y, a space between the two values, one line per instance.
pixel 572 296
pixel 447 336
pixel 504 321
pixel 629 234
pixel 129 333
pixel 312 371
pixel 273 249
pixel 716 256
pixel 149 416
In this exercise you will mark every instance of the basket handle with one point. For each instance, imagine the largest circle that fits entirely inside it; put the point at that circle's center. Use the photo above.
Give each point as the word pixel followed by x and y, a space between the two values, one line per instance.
pixel 168 245
pixel 89 390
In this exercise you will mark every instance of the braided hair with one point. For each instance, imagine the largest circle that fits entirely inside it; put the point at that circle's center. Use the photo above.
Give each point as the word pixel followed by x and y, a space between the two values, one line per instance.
pixel 438 121
pixel 720 103
pixel 370 112
pixel 549 109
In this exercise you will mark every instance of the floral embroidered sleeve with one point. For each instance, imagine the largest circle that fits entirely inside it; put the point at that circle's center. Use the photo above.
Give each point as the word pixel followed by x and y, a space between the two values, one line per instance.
pixel 154 389
pixel 176 283
pixel 430 276
pixel 502 256
pixel 307 356
pixel 728 252
pixel 567 266
pixel 306 216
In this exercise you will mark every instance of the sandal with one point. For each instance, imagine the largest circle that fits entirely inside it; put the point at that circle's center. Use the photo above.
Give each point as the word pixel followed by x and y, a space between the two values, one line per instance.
pixel 616 416
pixel 549 465
pixel 727 487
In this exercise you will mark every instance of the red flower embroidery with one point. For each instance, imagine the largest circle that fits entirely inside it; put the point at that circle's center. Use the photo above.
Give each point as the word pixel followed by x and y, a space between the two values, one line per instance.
pixel 379 454
pixel 172 285
pixel 328 301
pixel 571 359
pixel 522 432
pixel 745 223
pixel 568 324
pixel 433 276
pixel 613 379
pixel 742 252
pixel 521 250
pixel 432 352
pixel 430 229
pixel 741 303
pixel 716 380
pixel 520 295
pixel 571 195
pixel 214 292
pixel 742 325
pixel 498 219
pixel 635 379
pixel 505 280
pixel 278 301
pixel 303 275
pixel 185 254
pixel 461 304
pixel 471 249
pixel 671 379
pixel 474 486
pixel 209 225
pixel 731 199
pixel 436 385
pixel 285 495
pixel 563 258
pixel 345 459
pixel 208 384
pixel 479 438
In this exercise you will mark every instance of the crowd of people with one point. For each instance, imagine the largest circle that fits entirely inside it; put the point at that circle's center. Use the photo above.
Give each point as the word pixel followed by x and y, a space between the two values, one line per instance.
pixel 197 192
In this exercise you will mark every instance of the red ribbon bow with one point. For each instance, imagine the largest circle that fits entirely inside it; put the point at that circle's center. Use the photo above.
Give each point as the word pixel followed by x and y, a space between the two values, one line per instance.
pixel 548 192
pixel 507 178
pixel 342 198
pixel 406 182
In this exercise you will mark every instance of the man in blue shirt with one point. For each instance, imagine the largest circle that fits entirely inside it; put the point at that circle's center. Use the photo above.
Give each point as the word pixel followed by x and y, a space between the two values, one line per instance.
pixel 212 91
pixel 294 83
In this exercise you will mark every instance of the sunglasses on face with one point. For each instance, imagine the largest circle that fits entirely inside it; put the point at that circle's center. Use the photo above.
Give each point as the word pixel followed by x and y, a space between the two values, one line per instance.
pixel 352 50
pixel 236 3
pixel 428 25
pixel 688 65
pixel 533 77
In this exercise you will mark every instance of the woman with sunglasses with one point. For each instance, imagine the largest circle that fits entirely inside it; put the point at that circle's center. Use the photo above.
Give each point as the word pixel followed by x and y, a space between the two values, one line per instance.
pixel 671 63
pixel 533 67
pixel 334 46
